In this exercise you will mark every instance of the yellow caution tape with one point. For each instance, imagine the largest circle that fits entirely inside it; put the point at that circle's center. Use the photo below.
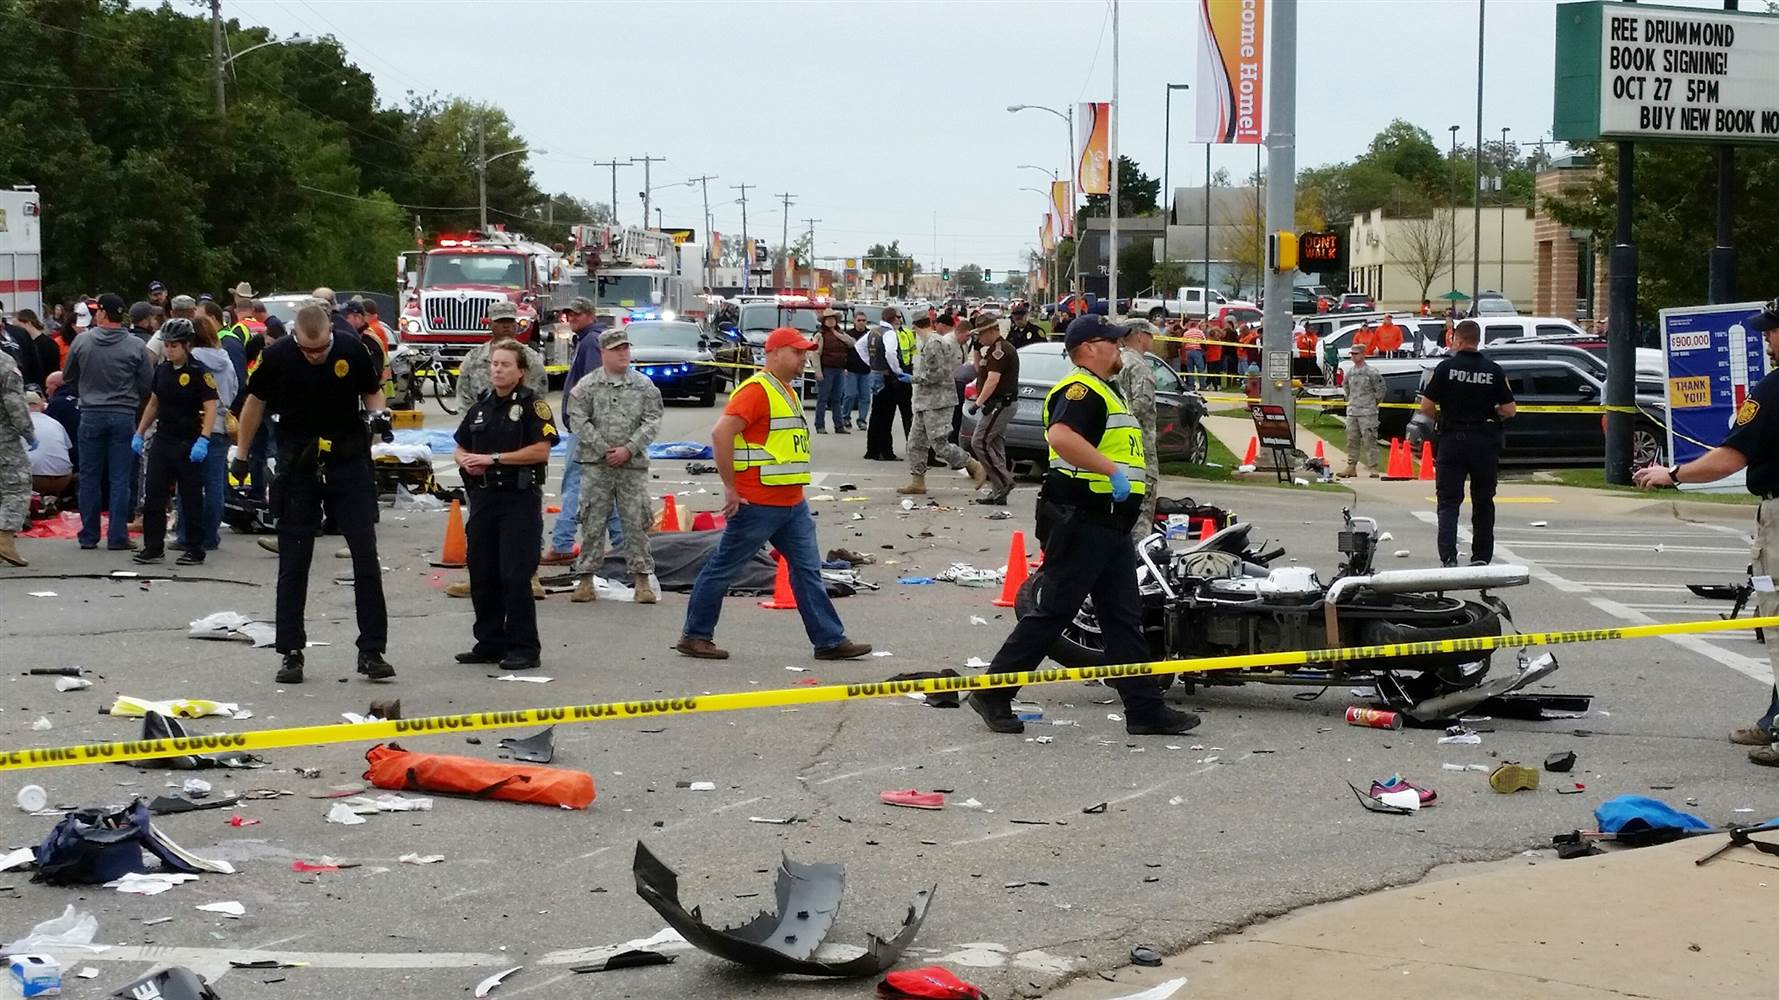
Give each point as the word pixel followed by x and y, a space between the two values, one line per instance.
pixel 434 725
pixel 1341 404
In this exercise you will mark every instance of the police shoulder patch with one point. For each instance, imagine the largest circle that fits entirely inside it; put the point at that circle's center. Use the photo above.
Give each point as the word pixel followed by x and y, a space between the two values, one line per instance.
pixel 210 380
pixel 542 409
pixel 340 368
pixel 1746 411
pixel 1075 392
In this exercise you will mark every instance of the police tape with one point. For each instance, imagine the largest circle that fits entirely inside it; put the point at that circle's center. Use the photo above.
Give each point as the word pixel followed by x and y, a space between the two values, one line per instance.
pixel 1341 404
pixel 435 725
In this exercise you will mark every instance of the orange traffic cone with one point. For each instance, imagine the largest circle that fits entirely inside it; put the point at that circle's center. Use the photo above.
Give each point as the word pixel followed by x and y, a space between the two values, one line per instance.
pixel 1427 465
pixel 1016 573
pixel 455 552
pixel 1253 451
pixel 1401 466
pixel 669 513
pixel 1321 456
pixel 783 598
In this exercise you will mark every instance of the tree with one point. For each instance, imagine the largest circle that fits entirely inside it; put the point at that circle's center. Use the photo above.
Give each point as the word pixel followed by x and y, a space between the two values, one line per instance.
pixel 968 280
pixel 1244 248
pixel 1137 193
pixel 1169 275
pixel 894 269
pixel 1423 247
pixel 1065 266
pixel 1135 260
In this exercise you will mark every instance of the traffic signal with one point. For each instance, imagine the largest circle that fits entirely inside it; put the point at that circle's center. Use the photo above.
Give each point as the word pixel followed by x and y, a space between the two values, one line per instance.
pixel 987 275
pixel 945 274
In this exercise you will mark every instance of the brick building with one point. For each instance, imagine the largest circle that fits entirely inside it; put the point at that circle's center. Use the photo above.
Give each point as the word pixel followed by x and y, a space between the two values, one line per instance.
pixel 1569 265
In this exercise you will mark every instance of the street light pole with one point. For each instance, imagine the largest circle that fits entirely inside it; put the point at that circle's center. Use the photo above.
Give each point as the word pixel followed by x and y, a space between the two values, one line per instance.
pixel 1502 206
pixel 1453 210
pixel 1074 170
pixel 1167 149
pixel 482 161
pixel 1482 7
pixel 1112 168
pixel 1046 196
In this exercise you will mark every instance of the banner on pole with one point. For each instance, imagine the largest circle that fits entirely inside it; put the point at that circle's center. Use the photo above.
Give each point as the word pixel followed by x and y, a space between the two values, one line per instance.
pixel 1093 138
pixel 1231 71
pixel 1062 198
pixel 1046 235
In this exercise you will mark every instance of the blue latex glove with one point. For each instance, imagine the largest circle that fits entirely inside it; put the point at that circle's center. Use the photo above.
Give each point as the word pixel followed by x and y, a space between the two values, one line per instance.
pixel 1120 486
pixel 906 378
pixel 137 444
pixel 200 449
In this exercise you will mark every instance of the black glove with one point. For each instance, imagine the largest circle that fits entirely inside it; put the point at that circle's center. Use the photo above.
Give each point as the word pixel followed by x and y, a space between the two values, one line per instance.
pixel 382 425
pixel 238 470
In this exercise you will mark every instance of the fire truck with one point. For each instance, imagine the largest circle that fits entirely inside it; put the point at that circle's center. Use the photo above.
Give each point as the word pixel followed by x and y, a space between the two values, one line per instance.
pixel 21 250
pixel 641 273
pixel 446 292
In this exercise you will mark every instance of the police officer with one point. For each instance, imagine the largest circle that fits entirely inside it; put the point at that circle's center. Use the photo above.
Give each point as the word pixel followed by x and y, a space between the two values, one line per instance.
pixel 1086 508
pixel 181 409
pixel 15 466
pixel 1468 396
pixel 1753 443
pixel 1365 390
pixel 472 372
pixel 503 450
pixel 615 414
pixel 1136 383
pixel 892 358
pixel 314 383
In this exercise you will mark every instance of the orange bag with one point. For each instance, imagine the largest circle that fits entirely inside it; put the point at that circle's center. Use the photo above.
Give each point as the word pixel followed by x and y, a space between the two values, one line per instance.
pixel 404 770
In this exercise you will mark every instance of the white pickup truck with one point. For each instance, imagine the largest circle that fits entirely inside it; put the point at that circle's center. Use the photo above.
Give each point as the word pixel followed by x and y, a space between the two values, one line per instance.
pixel 1187 302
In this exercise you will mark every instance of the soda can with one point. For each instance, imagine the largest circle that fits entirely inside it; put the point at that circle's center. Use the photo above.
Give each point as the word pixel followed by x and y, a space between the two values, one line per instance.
pixel 1374 718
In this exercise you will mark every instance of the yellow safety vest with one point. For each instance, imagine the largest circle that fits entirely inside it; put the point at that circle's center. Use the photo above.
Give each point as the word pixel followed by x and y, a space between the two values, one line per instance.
pixel 906 344
pixel 1122 442
pixel 783 460
pixel 238 330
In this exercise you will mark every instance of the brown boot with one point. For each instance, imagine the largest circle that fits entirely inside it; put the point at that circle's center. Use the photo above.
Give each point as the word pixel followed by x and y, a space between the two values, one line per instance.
pixel 700 649
pixel 1348 472
pixel 847 650
pixel 9 550
pixel 917 486
pixel 584 591
pixel 1750 736
pixel 978 474
pixel 644 593
pixel 458 589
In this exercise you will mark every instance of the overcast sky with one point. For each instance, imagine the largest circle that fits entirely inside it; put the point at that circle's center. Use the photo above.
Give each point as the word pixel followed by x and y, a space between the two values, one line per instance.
pixel 887 120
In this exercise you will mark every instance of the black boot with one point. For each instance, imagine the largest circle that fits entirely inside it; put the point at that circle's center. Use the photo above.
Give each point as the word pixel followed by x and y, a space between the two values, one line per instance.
pixel 374 666
pixel 1160 721
pixel 291 672
pixel 996 708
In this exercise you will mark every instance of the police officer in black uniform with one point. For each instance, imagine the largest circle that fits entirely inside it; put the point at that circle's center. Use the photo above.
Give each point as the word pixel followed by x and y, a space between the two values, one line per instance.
pixel 181 408
pixel 1752 444
pixel 1091 498
pixel 314 383
pixel 1468 397
pixel 503 450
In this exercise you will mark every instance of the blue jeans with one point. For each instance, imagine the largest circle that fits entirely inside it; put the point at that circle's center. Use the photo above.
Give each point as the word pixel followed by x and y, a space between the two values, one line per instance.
pixel 831 395
pixel 563 533
pixel 1195 365
pixel 107 469
pixel 216 482
pixel 860 387
pixel 790 530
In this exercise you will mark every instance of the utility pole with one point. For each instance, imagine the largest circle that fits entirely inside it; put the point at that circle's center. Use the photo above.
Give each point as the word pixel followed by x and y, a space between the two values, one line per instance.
pixel 812 279
pixel 482 172
pixel 614 165
pixel 784 240
pixel 1501 179
pixel 1281 203
pixel 747 263
pixel 1482 7
pixel 1112 166
pixel 216 61
pixel 1722 273
pixel 647 161
pixel 704 185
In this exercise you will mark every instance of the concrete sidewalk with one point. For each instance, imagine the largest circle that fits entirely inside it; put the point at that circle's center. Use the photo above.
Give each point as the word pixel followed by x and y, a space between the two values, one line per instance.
pixel 1638 923
pixel 1235 433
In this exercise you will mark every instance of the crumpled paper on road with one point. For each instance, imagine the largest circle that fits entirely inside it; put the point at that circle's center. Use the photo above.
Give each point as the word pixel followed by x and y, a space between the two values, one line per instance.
pixel 232 626
pixel 73 929
pixel 184 708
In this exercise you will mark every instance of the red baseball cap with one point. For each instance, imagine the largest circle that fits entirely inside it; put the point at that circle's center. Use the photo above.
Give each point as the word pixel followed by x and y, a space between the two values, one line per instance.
pixel 786 336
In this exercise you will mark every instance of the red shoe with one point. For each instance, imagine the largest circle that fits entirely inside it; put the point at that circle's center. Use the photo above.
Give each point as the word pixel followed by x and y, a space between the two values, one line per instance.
pixel 1395 783
pixel 914 800
pixel 932 981
pixel 553 558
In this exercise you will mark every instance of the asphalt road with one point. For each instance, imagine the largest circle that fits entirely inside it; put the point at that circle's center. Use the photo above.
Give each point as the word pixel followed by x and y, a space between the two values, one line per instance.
pixel 1248 816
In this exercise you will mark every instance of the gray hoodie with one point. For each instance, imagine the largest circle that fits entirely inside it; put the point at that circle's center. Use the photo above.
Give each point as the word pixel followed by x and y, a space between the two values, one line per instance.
pixel 110 370
pixel 217 360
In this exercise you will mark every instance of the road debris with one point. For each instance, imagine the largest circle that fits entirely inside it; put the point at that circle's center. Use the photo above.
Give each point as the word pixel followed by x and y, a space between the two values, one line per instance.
pixel 421 859
pixel 932 981
pixel 538 748
pixel 1511 777
pixel 488 985
pixel 1144 955
pixel 633 958
pixel 174 983
pixel 913 799
pixel 1560 762
pixel 228 908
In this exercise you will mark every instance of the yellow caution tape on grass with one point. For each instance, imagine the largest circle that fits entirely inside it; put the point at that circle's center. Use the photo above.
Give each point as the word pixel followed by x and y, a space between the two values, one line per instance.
pixel 277 739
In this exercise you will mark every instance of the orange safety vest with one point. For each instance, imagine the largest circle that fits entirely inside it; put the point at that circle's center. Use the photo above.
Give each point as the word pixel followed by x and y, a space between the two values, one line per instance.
pixel 1306 344
pixel 376 329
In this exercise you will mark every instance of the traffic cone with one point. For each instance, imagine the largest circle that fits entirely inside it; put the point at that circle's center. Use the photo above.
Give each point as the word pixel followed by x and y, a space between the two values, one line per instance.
pixel 455 552
pixel 1321 456
pixel 1401 466
pixel 669 513
pixel 1427 465
pixel 1253 451
pixel 1016 573
pixel 783 597
pixel 1206 528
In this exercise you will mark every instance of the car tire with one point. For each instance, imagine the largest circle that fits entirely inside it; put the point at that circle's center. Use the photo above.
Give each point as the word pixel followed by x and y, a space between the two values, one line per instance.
pixel 1648 448
pixel 709 397
pixel 1198 448
pixel 1157 314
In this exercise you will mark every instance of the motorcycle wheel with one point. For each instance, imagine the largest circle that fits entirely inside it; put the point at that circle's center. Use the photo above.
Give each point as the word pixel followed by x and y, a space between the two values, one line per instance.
pixel 1080 644
pixel 1434 674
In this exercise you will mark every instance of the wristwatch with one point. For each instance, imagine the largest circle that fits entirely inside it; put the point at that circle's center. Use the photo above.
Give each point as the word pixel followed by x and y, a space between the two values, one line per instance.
pixel 495 458
pixel 1674 475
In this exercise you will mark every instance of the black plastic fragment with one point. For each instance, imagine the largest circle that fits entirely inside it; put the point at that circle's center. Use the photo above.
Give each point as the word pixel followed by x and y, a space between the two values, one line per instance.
pixel 1145 955
pixel 1560 762
pixel 635 958
pixel 174 983
pixel 539 748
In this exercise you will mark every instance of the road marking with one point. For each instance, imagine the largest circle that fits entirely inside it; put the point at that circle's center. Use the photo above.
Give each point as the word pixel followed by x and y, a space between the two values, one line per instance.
pixel 1501 499
pixel 1755 669
pixel 1620 546
pixel 1667 588
pixel 1663 568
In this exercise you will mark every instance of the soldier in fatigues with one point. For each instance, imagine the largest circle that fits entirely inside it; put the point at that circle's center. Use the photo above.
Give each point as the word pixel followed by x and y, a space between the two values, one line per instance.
pixel 15 465
pixel 935 396
pixel 472 377
pixel 1365 390
pixel 1136 383
pixel 615 414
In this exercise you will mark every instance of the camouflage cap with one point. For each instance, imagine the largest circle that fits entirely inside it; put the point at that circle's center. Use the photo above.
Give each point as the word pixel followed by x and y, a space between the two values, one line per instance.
pixel 502 310
pixel 579 304
pixel 615 337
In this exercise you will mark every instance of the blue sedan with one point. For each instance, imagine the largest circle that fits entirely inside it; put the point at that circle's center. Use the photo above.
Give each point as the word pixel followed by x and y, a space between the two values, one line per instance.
pixel 669 353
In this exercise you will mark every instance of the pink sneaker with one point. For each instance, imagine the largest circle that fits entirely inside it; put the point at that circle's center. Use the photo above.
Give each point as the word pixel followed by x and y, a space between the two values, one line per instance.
pixel 914 800
pixel 1395 783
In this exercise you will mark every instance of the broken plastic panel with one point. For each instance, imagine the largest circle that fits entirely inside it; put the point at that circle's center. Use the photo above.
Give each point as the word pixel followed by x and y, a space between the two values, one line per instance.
pixel 538 748
pixel 174 983
pixel 156 726
pixel 784 940
pixel 633 958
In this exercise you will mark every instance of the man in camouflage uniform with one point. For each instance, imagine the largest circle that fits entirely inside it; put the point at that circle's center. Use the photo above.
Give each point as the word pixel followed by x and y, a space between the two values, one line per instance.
pixel 935 396
pixel 1365 390
pixel 1136 383
pixel 615 414
pixel 472 373
pixel 15 465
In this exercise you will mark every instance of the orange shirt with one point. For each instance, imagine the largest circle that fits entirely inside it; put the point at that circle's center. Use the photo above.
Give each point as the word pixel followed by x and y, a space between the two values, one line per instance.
pixel 1306 344
pixel 1389 336
pixel 1250 337
pixel 1366 338
pixel 750 404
